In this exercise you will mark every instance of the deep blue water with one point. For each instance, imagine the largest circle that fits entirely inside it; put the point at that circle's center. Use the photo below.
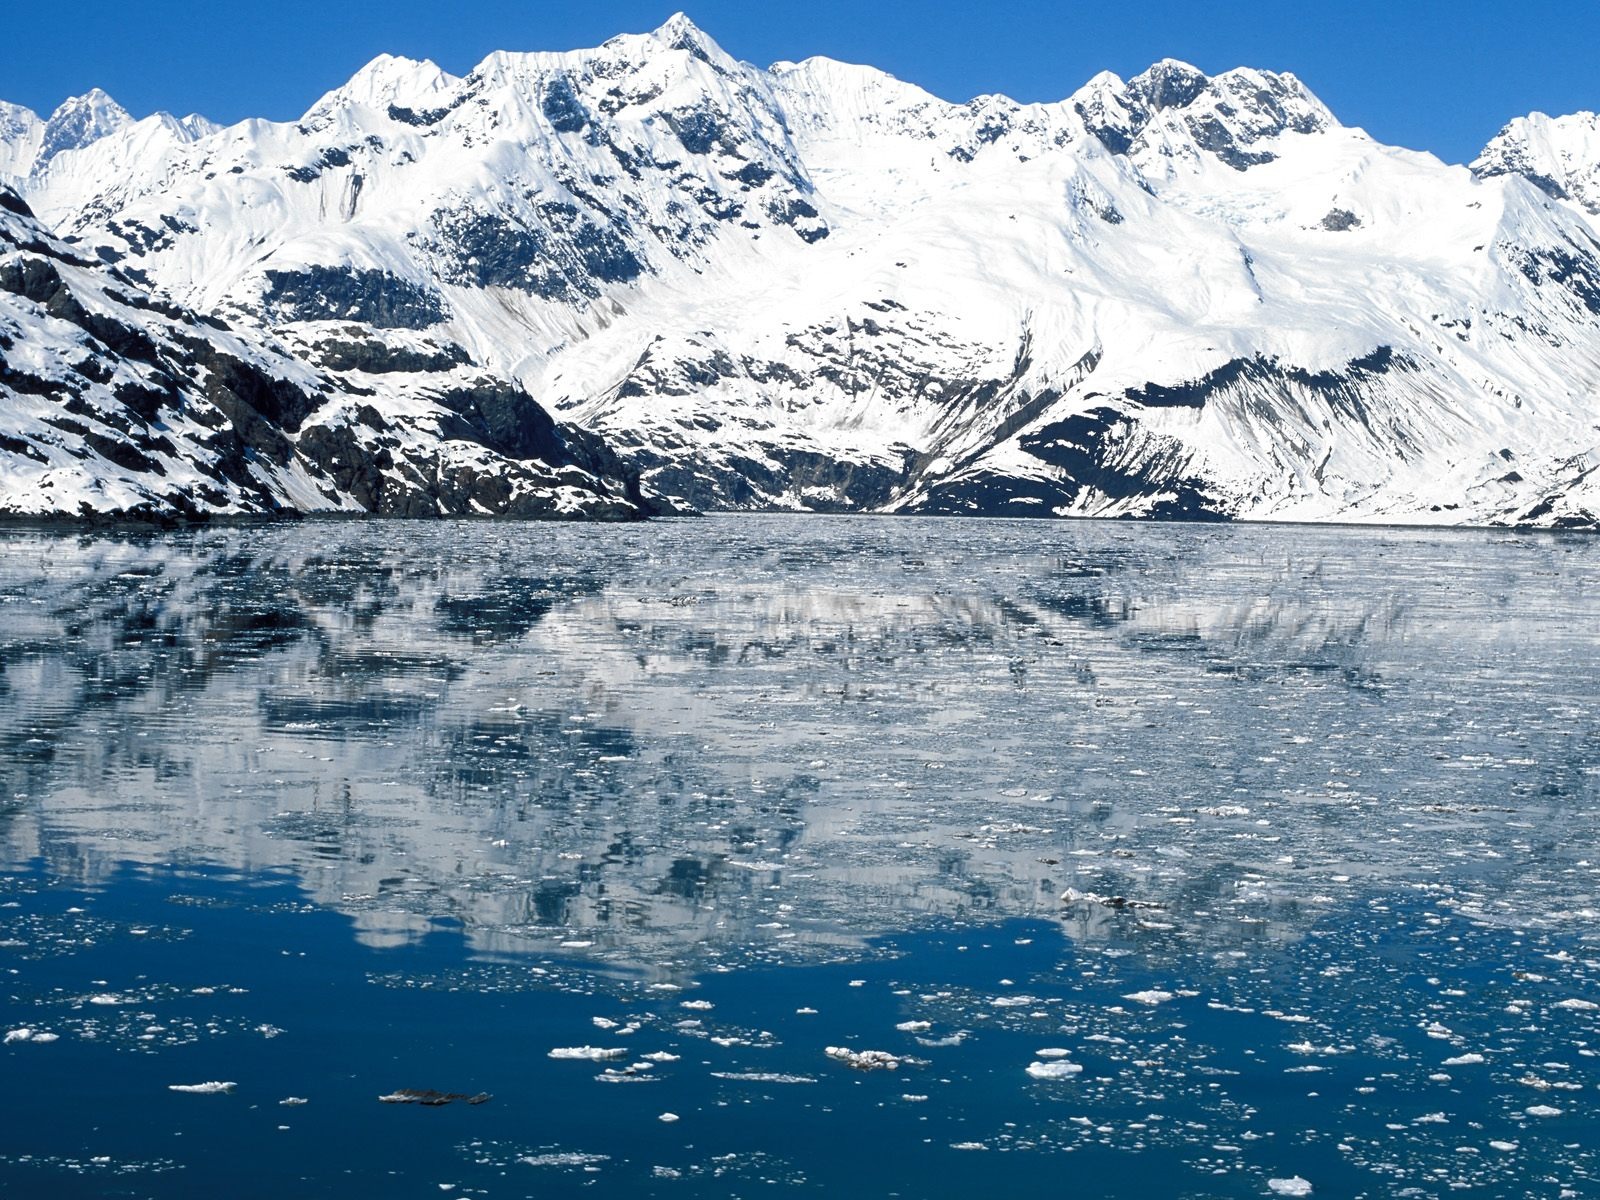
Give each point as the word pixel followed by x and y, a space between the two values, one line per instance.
pixel 1286 837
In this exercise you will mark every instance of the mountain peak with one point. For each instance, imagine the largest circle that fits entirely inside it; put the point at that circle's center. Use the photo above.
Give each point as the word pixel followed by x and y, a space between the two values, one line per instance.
pixel 1558 155
pixel 388 79
pixel 678 32
pixel 80 120
pixel 678 25
pixel 1170 83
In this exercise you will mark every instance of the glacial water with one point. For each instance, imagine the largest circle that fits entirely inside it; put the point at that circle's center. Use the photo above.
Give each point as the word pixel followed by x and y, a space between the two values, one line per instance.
pixel 1156 861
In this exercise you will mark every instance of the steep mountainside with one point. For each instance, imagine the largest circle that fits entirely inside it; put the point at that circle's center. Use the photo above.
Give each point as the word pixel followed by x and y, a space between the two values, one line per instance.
pixel 116 402
pixel 818 287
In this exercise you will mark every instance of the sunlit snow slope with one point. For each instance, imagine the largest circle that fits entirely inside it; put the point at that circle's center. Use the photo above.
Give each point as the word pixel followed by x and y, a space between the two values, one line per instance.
pixel 817 287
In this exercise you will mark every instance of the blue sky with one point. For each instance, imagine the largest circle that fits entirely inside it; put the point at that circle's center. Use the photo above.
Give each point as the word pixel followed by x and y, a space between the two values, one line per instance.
pixel 1431 75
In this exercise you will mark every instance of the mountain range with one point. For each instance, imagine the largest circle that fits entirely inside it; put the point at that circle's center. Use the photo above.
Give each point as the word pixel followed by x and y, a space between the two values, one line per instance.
pixel 649 278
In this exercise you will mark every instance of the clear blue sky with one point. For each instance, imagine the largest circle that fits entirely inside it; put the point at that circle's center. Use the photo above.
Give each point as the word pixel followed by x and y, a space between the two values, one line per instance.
pixel 1421 73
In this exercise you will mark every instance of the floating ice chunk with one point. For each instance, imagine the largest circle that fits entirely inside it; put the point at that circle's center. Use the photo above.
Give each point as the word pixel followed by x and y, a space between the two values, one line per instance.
pixel 1503 1147
pixel 968 1146
pixel 659 1056
pixel 805 1012
pixel 761 1077
pixel 914 1026
pixel 293 1100
pixel 570 1158
pixel 697 1005
pixel 1578 1005
pixel 1150 996
pixel 1052 1052
pixel 603 1022
pixel 1464 1060
pixel 1542 1110
pixel 589 1053
pixel 18 1035
pixel 668 1117
pixel 864 1060
pixel 41 1037
pixel 1053 1070
pixel 1292 1186
pixel 213 1088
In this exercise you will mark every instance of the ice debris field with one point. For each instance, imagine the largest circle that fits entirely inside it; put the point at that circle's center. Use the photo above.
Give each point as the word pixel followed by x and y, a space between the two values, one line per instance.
pixel 869 856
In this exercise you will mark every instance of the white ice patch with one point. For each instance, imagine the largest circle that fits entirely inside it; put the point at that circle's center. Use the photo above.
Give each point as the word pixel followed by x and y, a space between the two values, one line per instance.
pixel 589 1053
pixel 213 1088
pixel 1292 1186
pixel 864 1060
pixel 1150 996
pixel 1053 1070
pixel 570 1158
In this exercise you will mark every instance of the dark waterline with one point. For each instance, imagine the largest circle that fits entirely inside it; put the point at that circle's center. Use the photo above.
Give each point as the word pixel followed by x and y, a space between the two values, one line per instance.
pixel 1321 803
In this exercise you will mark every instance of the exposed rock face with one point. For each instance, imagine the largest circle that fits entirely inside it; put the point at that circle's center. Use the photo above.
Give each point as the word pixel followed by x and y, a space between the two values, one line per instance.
pixel 815 287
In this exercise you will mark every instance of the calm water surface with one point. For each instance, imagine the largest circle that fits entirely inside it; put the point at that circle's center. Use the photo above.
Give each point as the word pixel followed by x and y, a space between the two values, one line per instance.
pixel 1287 839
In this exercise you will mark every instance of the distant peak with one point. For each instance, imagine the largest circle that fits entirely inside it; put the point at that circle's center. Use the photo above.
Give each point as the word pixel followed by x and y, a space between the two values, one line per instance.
pixel 93 101
pixel 387 79
pixel 678 32
pixel 678 25
pixel 1169 83
pixel 1558 155
pixel 79 121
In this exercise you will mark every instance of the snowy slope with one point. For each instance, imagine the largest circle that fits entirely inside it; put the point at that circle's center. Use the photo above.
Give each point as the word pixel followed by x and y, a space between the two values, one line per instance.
pixel 115 402
pixel 818 287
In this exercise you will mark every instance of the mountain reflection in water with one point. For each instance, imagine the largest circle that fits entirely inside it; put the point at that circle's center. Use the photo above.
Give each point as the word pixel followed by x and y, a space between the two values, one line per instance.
pixel 762 738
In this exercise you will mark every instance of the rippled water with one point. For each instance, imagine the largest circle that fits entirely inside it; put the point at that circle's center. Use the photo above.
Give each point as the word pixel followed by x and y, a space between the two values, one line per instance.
pixel 1286 837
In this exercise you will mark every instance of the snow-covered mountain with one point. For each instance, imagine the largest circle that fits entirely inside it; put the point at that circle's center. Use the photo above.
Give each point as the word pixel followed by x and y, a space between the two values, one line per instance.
pixel 113 401
pixel 817 287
